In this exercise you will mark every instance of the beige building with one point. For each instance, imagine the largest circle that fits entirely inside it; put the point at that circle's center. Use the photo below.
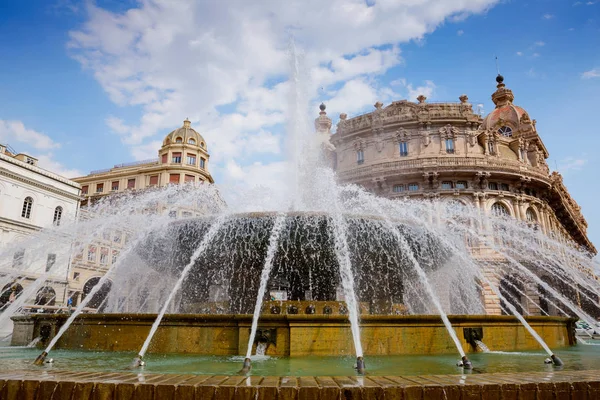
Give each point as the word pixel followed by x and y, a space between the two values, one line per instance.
pixel 183 158
pixel 448 151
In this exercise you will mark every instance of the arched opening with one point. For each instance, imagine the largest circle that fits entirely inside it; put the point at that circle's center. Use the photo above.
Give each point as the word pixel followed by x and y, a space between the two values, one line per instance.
pixel 46 296
pixel 500 209
pixel 505 131
pixel 531 216
pixel 57 215
pixel 178 140
pixel 98 301
pixel 9 294
pixel 27 206
pixel 192 141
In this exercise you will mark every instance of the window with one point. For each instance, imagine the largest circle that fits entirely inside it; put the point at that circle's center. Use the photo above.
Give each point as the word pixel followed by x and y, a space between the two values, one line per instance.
pixel 106 235
pixel 172 214
pixel 27 205
pixel 398 188
pixel 461 184
pixel 360 157
pixel 131 183
pixel 186 214
pixel 84 189
pixel 191 159
pixel 164 158
pixel 500 209
pixel 179 140
pixel 176 158
pixel 450 146
pixel 114 256
pixel 493 186
pixel 57 215
pixel 174 178
pixel 50 261
pixel 114 185
pixel 103 255
pixel 18 258
pixel 30 161
pixel 447 185
pixel 202 144
pixel 99 187
pixel 503 186
pixel 189 178
pixel 92 254
pixel 505 131
pixel 530 215
pixel 413 186
pixel 192 141
pixel 202 162
pixel 154 180
pixel 117 237
pixel 403 149
pixel 76 276
pixel 491 149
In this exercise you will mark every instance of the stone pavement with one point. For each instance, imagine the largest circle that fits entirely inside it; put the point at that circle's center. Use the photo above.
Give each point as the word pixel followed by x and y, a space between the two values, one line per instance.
pixel 70 385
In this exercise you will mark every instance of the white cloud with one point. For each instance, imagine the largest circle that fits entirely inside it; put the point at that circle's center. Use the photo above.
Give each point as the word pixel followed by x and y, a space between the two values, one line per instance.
pixel 547 16
pixel 36 144
pixel 460 32
pixel 592 73
pixel 225 65
pixel 15 131
pixel 539 43
pixel 571 164
pixel 519 53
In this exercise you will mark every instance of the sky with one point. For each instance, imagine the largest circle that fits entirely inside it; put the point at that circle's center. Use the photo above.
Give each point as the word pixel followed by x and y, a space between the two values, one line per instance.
pixel 85 85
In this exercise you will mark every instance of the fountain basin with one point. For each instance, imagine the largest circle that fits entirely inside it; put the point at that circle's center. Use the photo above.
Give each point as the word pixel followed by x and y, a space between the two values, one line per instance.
pixel 295 335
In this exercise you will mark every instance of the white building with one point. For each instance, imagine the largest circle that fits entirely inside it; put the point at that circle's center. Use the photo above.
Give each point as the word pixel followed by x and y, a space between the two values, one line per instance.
pixel 32 198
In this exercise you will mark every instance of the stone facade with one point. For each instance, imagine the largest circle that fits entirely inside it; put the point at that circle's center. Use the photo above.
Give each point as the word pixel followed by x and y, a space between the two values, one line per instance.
pixel 182 158
pixel 31 199
pixel 448 151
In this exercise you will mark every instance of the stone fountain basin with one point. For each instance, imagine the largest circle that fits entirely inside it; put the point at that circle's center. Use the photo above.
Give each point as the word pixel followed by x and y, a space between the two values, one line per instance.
pixel 291 335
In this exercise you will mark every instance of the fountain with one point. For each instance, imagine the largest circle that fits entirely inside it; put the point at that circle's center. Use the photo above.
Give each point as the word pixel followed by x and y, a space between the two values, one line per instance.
pixel 327 271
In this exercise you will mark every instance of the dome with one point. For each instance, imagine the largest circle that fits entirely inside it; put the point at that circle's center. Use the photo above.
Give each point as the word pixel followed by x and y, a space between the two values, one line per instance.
pixel 508 115
pixel 185 135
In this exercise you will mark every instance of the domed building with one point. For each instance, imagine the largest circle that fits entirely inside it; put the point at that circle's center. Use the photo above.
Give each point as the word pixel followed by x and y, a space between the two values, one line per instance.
pixel 448 151
pixel 182 158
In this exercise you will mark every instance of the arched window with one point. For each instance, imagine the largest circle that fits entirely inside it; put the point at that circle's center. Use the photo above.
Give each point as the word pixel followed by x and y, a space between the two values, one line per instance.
pixel 192 141
pixel 27 205
pixel 179 140
pixel 500 209
pixel 530 215
pixel 57 215
pixel 505 131
pixel 202 144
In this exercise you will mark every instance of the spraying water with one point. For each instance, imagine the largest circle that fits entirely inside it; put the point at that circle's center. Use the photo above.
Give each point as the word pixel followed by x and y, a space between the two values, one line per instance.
pixel 264 278
pixel 199 251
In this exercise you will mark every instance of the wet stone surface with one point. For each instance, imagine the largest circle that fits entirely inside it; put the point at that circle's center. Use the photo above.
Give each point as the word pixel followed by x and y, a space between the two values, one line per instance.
pixel 568 385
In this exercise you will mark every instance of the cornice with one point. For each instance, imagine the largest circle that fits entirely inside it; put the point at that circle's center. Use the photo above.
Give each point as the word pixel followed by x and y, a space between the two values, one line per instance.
pixel 39 170
pixel 11 175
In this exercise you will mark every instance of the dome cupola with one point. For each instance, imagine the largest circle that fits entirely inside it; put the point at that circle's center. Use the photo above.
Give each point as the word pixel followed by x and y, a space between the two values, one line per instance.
pixel 506 117
pixel 185 135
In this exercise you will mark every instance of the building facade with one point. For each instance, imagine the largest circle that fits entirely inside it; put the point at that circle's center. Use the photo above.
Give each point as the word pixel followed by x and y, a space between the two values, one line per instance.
pixel 31 199
pixel 183 158
pixel 447 151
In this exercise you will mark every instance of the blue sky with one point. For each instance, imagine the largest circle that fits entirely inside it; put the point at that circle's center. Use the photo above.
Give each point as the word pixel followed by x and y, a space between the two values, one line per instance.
pixel 86 85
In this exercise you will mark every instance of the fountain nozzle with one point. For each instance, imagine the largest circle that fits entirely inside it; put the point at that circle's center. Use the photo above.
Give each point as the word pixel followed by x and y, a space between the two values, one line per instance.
pixel 466 363
pixel 40 359
pixel 247 366
pixel 557 361
pixel 137 362
pixel 360 365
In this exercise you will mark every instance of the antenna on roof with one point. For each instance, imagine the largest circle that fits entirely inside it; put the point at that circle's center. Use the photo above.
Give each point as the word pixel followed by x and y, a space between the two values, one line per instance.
pixel 497 65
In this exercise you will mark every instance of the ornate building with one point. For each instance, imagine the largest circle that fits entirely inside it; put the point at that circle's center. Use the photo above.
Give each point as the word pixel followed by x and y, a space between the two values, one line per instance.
pixel 31 199
pixel 183 158
pixel 447 151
